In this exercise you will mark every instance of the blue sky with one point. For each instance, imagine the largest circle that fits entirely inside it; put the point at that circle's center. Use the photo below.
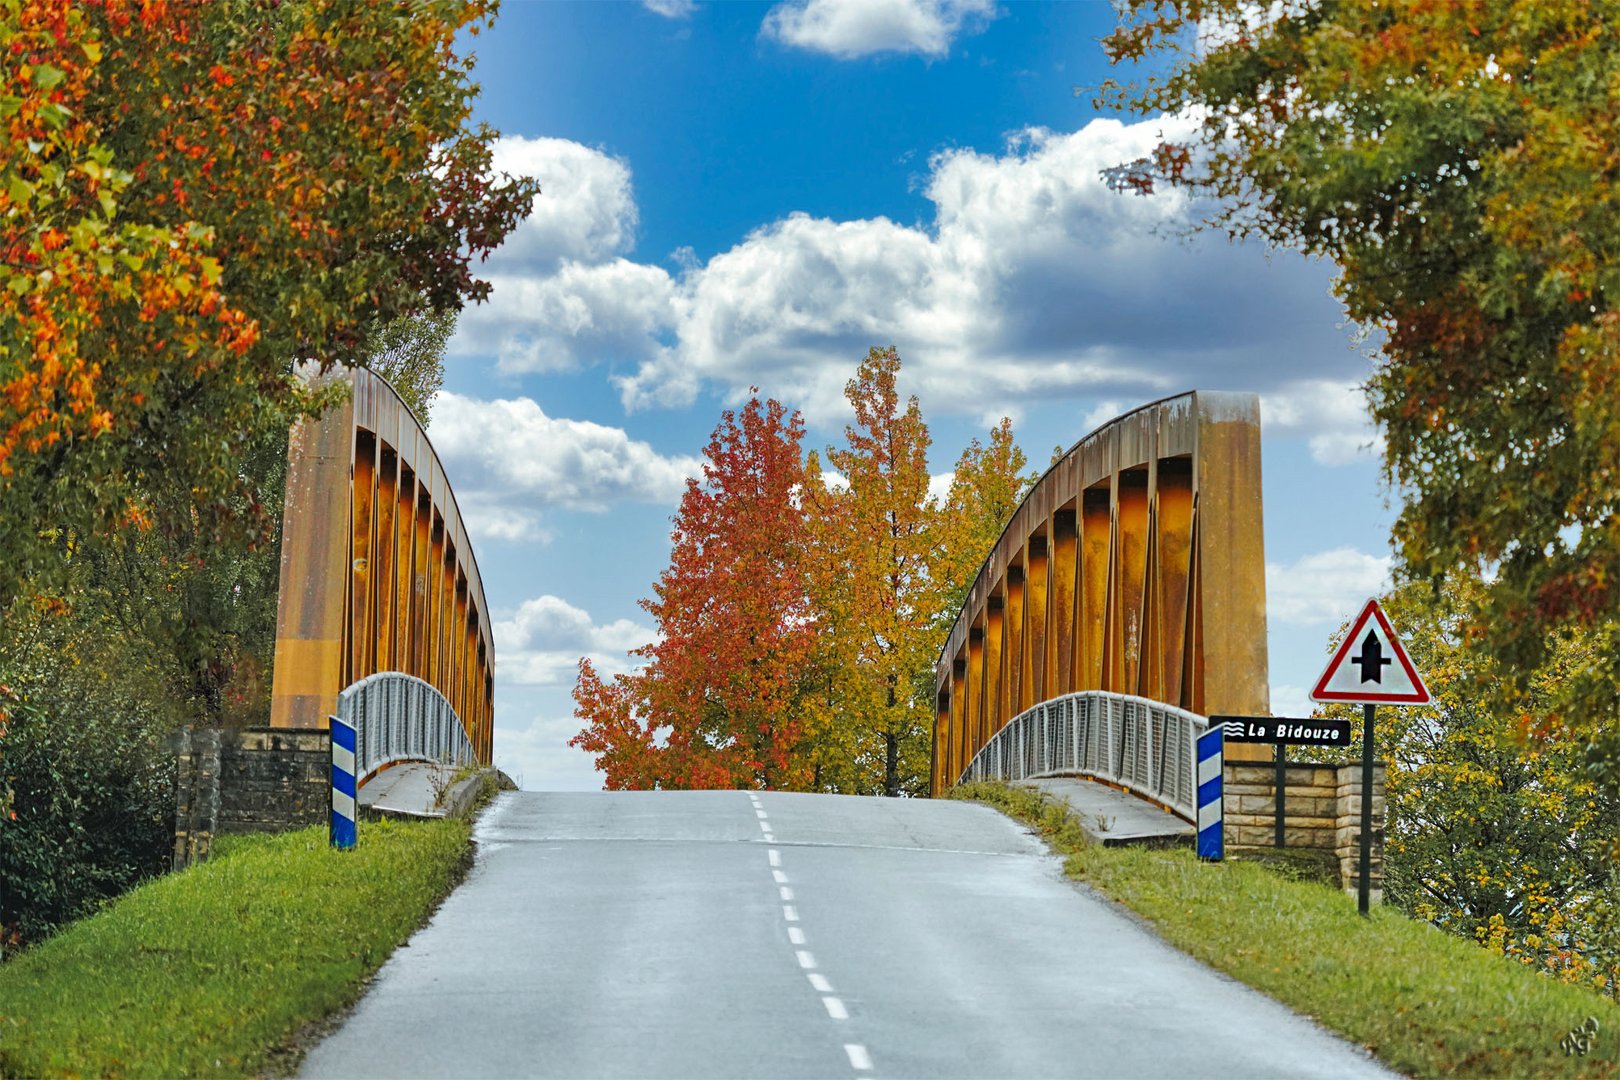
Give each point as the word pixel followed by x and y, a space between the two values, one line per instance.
pixel 742 195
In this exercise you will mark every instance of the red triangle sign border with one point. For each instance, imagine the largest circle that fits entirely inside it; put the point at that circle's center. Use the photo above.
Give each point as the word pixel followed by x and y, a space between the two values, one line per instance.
pixel 1321 693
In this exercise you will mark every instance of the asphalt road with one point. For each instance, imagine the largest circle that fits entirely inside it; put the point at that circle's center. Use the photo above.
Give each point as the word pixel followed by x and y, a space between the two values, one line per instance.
pixel 722 934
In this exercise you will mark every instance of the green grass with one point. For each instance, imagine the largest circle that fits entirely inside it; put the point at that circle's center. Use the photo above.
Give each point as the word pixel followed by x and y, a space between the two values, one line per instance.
pixel 1426 1003
pixel 210 971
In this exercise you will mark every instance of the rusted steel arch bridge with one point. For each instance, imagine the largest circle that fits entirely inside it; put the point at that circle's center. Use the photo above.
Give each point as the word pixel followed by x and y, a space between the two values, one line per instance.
pixel 377 571
pixel 1136 565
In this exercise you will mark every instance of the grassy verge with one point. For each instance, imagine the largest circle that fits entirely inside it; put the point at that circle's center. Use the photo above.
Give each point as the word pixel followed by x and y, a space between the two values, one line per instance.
pixel 207 972
pixel 1426 1003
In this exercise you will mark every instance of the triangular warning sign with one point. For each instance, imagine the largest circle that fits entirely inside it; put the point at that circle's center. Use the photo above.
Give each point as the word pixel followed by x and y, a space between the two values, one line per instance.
pixel 1370 666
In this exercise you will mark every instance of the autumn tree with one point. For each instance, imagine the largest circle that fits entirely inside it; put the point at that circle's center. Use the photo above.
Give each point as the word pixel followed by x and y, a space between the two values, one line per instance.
pixel 720 701
pixel 1495 840
pixel 409 353
pixel 1456 161
pixel 194 196
pixel 211 608
pixel 144 631
pixel 987 485
pixel 616 730
pixel 875 531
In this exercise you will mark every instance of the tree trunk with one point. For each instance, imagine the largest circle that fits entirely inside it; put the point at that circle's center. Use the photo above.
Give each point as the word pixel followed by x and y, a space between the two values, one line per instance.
pixel 891 765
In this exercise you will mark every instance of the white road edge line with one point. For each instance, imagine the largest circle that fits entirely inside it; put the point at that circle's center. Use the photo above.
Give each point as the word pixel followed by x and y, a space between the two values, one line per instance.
pixel 807 959
pixel 819 982
pixel 859 1059
pixel 835 1008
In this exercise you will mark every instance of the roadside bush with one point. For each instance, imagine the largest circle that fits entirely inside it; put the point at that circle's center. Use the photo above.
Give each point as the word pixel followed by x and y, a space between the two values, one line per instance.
pixel 91 816
pixel 87 807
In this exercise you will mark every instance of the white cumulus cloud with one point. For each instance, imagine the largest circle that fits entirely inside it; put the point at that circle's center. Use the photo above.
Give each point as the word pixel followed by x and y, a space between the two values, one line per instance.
pixel 489 516
pixel 509 461
pixel 536 753
pixel 1340 430
pixel 1324 588
pixel 578 315
pixel 1032 283
pixel 563 293
pixel 849 29
pixel 542 643
pixel 586 209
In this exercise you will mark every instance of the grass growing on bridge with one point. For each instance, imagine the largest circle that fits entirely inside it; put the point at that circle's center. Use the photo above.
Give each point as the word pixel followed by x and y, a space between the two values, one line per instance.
pixel 207 972
pixel 1425 1002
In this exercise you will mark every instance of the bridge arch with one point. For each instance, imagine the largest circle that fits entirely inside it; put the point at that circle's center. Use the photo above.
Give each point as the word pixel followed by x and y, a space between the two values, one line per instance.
pixel 377 571
pixel 1135 565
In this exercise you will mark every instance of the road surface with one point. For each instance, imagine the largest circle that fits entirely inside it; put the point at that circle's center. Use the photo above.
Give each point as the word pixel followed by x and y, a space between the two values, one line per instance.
pixel 725 934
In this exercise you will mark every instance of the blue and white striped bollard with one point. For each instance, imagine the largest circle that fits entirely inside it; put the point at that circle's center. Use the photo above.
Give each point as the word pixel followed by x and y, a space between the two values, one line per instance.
pixel 1211 756
pixel 342 829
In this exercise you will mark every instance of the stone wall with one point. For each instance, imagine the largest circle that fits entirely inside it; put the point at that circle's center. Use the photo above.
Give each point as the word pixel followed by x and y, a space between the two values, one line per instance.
pixel 245 780
pixel 1322 812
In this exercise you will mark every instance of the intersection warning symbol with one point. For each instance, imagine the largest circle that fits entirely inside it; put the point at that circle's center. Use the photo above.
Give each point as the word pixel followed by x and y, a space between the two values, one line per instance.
pixel 1371 667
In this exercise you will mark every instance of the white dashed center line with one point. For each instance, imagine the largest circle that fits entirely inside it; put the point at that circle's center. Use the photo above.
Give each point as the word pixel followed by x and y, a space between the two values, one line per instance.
pixel 859 1059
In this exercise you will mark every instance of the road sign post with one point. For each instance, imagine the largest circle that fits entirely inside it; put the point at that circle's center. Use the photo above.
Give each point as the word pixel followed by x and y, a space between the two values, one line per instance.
pixel 1279 792
pixel 1356 674
pixel 1364 885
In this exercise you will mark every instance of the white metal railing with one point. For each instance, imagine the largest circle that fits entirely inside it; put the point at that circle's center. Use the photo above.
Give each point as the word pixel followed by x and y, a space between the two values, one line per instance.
pixel 1144 746
pixel 398 717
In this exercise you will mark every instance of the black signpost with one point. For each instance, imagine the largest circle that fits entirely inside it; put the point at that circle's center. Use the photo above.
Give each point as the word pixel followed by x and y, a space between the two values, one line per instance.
pixel 1364 884
pixel 1283 731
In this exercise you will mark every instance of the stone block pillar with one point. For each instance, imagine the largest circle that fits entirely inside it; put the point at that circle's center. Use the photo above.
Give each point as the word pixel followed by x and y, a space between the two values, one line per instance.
pixel 1348 847
pixel 1322 815
pixel 244 780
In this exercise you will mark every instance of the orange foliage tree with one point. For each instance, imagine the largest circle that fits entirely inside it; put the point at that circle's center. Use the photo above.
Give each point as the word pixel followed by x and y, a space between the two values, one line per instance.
pixel 192 196
pixel 721 701
pixel 1457 161
pixel 877 533
pixel 801 613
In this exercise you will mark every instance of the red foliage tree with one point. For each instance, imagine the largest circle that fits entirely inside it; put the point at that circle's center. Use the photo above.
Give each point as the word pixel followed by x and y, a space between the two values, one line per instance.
pixel 720 702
